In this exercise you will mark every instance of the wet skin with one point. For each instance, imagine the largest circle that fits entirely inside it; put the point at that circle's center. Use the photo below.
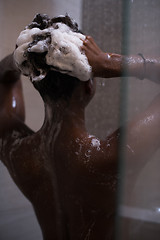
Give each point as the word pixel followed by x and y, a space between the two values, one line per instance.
pixel 56 171
pixel 110 65
pixel 70 176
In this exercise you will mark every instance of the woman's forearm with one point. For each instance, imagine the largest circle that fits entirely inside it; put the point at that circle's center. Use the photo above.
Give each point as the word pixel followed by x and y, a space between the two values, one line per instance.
pixel 141 67
pixel 131 66
pixel 110 65
pixel 116 65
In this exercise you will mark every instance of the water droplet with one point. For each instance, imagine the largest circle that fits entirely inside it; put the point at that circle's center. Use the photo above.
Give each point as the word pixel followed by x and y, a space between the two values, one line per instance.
pixel 14 103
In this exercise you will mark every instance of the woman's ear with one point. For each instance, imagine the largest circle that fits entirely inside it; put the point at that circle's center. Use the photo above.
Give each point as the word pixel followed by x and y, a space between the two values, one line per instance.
pixel 89 87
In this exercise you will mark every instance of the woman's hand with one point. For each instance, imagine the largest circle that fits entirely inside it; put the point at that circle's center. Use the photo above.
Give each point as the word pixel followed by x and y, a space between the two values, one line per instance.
pixel 96 57
pixel 103 64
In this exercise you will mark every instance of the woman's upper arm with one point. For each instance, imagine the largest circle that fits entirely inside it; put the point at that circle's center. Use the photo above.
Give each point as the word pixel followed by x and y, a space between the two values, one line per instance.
pixel 11 136
pixel 11 102
pixel 11 94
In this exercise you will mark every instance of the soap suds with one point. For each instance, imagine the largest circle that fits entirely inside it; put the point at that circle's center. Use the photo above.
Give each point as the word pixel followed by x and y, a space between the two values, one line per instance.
pixel 96 143
pixel 60 46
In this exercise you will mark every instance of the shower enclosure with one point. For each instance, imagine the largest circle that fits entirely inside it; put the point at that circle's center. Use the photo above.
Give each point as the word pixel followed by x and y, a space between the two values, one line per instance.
pixel 119 26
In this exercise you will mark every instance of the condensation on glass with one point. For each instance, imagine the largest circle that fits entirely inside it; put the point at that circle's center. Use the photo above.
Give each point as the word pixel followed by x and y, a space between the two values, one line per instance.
pixel 139 196
pixel 128 27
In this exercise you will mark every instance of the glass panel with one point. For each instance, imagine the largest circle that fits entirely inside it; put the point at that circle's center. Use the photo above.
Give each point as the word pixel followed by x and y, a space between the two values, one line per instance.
pixel 129 27
pixel 139 196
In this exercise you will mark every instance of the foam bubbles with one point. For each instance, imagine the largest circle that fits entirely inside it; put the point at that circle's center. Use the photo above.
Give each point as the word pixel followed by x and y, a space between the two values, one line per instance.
pixel 96 143
pixel 62 48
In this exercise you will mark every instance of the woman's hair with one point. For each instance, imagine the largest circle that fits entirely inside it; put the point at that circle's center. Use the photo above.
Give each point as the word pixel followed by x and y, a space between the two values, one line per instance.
pixel 55 85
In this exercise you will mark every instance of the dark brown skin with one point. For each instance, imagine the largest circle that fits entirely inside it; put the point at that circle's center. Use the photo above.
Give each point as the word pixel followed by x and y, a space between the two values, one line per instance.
pixel 69 176
pixel 110 65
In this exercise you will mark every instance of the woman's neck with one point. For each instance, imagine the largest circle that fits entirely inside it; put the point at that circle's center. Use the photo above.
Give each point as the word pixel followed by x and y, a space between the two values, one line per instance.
pixel 64 114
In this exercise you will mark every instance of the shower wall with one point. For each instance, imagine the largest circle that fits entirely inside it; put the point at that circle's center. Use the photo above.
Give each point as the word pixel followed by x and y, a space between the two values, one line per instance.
pixel 103 21
pixel 17 219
